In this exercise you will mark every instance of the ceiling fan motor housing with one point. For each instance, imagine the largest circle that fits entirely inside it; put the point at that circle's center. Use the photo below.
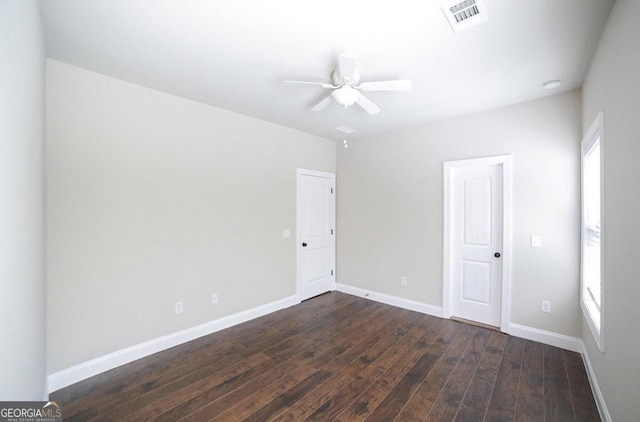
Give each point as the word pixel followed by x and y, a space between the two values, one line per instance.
pixel 338 80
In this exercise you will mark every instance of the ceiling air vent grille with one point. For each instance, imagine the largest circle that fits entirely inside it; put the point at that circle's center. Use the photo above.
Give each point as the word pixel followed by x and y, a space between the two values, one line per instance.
pixel 346 129
pixel 465 14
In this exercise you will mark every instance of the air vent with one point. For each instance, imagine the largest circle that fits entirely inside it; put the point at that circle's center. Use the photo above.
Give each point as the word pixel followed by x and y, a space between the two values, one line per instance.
pixel 465 14
pixel 346 129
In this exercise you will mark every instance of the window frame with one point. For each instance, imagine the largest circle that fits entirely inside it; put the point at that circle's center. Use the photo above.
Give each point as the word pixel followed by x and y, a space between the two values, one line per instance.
pixel 595 135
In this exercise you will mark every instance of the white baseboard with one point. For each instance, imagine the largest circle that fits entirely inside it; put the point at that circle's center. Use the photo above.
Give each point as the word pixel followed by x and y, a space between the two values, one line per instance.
pixel 568 343
pixel 595 388
pixel 96 366
pixel 411 305
pixel 104 363
pixel 541 336
pixel 547 337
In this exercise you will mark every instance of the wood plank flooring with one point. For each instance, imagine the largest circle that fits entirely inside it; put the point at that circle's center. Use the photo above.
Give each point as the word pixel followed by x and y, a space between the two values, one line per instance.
pixel 338 357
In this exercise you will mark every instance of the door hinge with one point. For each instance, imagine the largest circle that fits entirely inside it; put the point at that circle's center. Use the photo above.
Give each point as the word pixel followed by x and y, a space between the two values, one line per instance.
pixel 332 231
pixel 331 272
pixel 331 190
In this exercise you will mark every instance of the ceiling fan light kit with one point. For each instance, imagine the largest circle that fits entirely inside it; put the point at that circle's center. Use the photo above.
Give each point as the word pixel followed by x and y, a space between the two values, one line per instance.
pixel 346 90
pixel 345 96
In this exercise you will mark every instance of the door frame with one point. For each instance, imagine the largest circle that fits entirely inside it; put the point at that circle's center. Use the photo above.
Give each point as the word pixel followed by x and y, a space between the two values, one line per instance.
pixel 331 176
pixel 505 162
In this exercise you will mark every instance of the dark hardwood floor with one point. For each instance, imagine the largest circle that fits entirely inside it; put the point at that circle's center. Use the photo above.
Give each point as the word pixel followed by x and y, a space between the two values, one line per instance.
pixel 342 358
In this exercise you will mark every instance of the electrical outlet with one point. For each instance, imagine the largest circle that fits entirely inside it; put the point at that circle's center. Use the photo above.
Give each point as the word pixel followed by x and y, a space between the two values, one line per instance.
pixel 179 307
pixel 545 306
pixel 403 281
pixel 214 298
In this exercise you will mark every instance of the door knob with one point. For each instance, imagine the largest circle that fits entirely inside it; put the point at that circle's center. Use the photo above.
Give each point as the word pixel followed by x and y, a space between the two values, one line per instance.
pixel 497 254
pixel 304 244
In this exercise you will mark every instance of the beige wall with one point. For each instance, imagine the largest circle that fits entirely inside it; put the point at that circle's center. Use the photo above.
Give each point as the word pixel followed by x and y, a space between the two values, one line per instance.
pixel 153 199
pixel 22 269
pixel 390 195
pixel 613 87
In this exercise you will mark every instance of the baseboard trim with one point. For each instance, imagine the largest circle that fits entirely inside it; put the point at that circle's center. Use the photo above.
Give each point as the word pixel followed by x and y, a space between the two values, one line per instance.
pixel 595 388
pixel 569 343
pixel 411 305
pixel 547 337
pixel 88 369
pixel 77 373
pixel 541 336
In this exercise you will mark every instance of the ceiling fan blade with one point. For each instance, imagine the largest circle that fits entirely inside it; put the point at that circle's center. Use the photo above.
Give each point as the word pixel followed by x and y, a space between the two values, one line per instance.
pixel 347 67
pixel 368 106
pixel 322 84
pixel 399 85
pixel 322 104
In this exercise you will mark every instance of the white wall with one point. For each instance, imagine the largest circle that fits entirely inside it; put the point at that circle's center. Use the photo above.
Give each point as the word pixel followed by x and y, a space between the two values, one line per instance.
pixel 153 199
pixel 613 87
pixel 390 195
pixel 22 276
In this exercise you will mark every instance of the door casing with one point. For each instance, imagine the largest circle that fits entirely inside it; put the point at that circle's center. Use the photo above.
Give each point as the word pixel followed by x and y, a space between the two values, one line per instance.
pixel 504 161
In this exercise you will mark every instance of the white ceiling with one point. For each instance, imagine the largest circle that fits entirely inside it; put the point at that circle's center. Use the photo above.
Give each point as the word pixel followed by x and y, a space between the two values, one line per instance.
pixel 234 54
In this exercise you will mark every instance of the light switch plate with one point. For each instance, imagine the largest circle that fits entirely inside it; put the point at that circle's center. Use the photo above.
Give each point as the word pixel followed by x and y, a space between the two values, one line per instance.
pixel 286 233
pixel 536 241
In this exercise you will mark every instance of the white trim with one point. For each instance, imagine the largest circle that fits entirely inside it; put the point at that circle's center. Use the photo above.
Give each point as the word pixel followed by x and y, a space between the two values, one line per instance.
pixel 595 388
pixel 332 178
pixel 507 198
pixel 446 236
pixel 593 135
pixel 408 304
pixel 507 244
pixel 569 343
pixel 104 363
pixel 541 336
pixel 315 173
pixel 121 357
pixel 547 337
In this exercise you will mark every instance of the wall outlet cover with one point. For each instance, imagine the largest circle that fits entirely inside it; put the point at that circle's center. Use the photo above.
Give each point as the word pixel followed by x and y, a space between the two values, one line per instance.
pixel 545 306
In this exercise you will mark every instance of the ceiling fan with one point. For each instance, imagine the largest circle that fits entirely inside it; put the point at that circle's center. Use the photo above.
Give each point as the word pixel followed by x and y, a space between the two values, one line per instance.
pixel 347 91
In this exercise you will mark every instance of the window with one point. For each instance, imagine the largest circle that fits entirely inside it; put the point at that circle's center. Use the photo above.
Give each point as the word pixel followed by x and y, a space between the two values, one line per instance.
pixel 591 290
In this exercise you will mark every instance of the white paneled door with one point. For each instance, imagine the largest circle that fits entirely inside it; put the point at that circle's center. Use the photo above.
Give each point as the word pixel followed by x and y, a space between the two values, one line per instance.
pixel 315 233
pixel 476 241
